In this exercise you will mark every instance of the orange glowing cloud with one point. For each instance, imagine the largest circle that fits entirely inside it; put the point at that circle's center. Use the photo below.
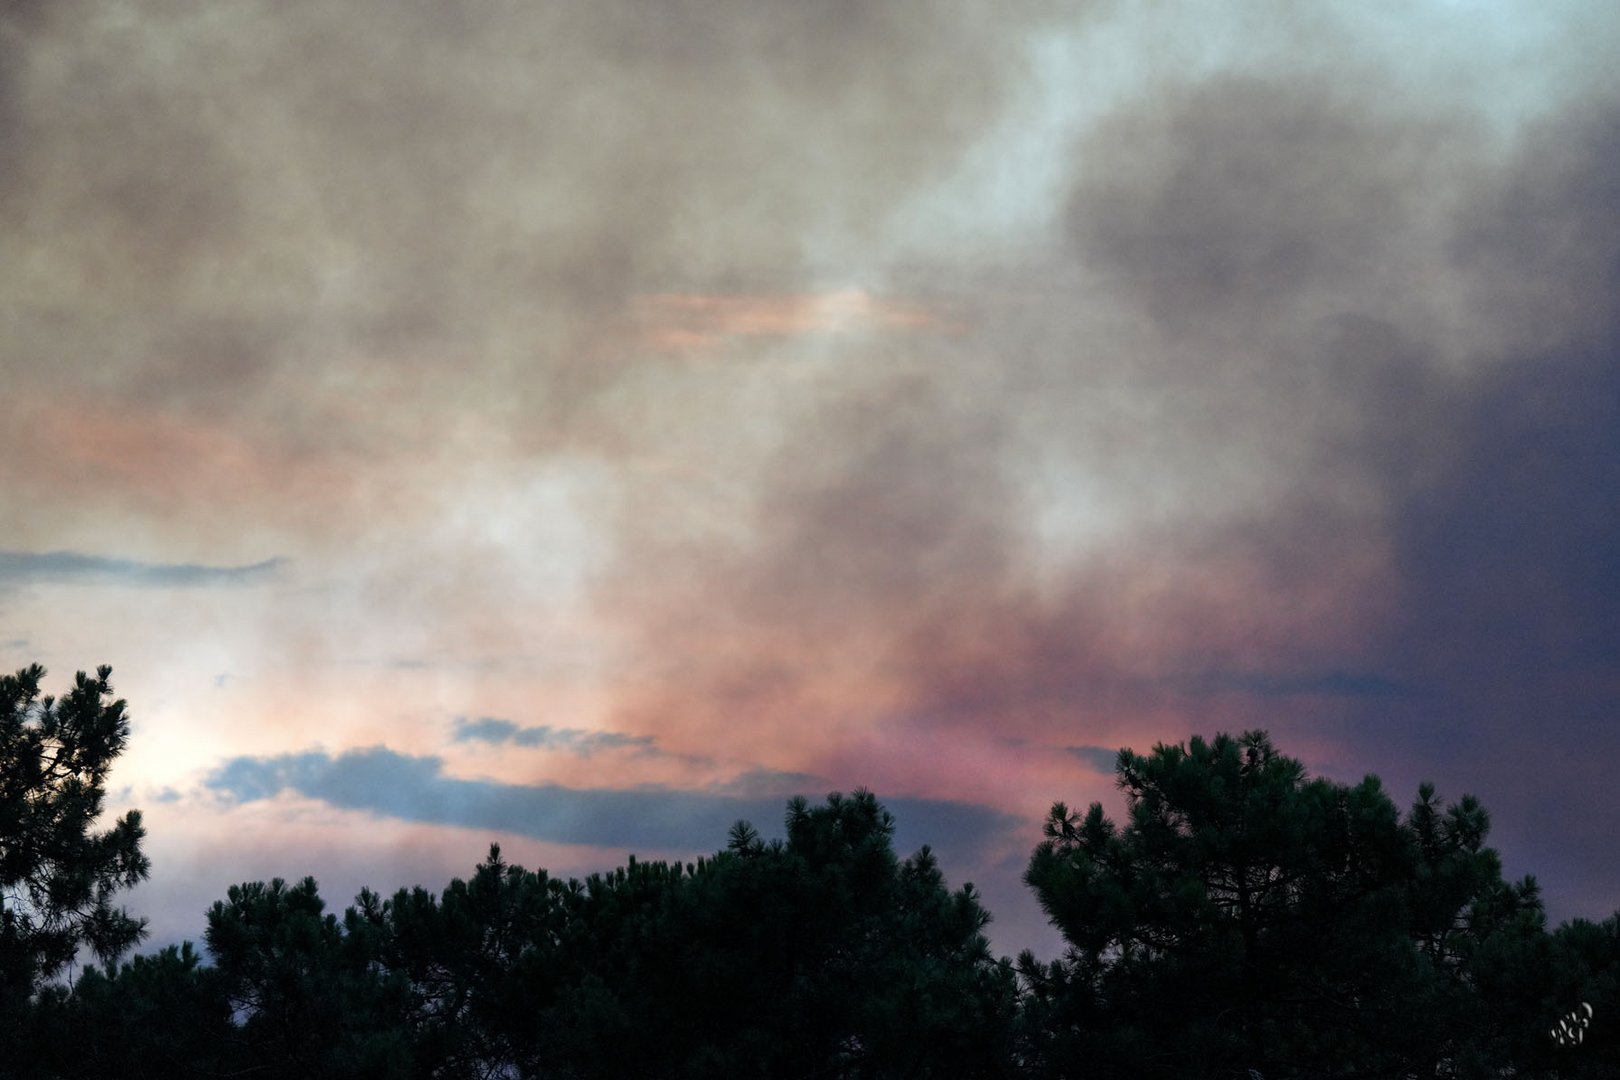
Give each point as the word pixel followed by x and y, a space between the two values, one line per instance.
pixel 684 321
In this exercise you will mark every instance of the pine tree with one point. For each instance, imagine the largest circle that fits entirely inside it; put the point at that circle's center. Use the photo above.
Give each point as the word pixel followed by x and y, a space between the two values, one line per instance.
pixel 1250 917
pixel 58 873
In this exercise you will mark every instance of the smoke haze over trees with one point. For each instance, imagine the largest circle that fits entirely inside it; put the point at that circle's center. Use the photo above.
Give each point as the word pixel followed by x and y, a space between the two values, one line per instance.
pixel 1247 919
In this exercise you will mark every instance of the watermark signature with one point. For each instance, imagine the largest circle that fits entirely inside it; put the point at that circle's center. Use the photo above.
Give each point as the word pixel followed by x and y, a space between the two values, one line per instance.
pixel 1571 1028
pixel 1569 1031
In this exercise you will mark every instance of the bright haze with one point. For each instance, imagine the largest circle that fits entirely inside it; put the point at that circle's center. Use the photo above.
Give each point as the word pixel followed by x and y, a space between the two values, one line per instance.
pixel 581 425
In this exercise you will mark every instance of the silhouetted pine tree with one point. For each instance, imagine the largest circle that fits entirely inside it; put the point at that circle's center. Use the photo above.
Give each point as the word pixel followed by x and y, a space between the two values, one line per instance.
pixel 1249 917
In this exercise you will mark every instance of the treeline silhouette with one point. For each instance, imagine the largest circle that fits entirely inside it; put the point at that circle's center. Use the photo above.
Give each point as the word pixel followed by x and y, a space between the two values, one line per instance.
pixel 1244 921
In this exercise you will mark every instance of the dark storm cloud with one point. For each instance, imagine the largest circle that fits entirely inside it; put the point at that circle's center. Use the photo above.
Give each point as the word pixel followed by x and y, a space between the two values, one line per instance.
pixel 1317 245
pixel 1448 343
pixel 1372 358
pixel 890 537
pixel 887 516
pixel 1227 204
pixel 28 567
pixel 1340 684
pixel 1097 758
pixel 1510 558
pixel 1245 350
pixel 490 729
pixel 380 781
pixel 19 19
pixel 1506 545
pixel 758 782
pixel 1508 552
pixel 908 498
pixel 1291 246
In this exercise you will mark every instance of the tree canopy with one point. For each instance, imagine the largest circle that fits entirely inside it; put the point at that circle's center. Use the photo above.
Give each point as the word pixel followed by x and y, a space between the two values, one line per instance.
pixel 1248 917
pixel 58 872
pixel 1246 920
pixel 823 954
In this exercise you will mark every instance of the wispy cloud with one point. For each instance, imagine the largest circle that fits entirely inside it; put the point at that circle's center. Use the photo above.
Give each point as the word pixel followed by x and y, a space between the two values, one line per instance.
pixel 577 741
pixel 677 321
pixel 761 782
pixel 411 788
pixel 1337 684
pixel 28 567
pixel 1099 758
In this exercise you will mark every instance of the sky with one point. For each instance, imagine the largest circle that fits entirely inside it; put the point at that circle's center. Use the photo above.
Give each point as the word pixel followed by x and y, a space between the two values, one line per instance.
pixel 581 425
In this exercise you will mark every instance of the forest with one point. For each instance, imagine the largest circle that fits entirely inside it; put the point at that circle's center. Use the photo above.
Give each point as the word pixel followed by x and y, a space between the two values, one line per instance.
pixel 1244 920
